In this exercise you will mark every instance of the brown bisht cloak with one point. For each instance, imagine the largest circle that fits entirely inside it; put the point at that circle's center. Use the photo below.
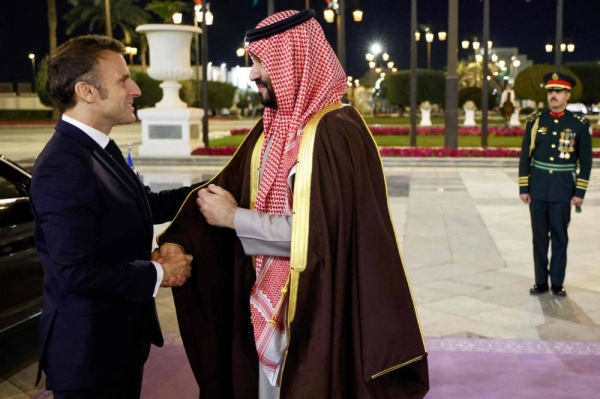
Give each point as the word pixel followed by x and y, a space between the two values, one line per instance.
pixel 353 327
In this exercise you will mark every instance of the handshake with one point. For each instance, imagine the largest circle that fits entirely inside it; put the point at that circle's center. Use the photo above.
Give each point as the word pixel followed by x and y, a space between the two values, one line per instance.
pixel 175 263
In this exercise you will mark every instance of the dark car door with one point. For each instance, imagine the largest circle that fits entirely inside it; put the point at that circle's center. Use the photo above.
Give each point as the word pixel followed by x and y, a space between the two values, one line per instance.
pixel 21 274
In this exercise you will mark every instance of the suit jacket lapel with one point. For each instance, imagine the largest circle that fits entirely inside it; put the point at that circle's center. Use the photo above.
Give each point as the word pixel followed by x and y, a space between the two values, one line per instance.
pixel 127 178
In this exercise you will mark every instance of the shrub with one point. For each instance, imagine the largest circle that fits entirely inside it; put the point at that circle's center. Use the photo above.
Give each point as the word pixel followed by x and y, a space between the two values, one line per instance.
pixel 474 94
pixel 151 92
pixel 529 83
pixel 431 87
pixel 40 86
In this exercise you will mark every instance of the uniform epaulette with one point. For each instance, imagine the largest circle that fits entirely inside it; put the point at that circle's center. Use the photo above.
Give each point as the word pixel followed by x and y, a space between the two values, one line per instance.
pixel 533 117
pixel 582 119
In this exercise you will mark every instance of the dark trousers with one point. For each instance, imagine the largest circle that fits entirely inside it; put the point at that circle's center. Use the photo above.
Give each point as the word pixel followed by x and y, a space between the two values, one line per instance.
pixel 549 222
pixel 130 387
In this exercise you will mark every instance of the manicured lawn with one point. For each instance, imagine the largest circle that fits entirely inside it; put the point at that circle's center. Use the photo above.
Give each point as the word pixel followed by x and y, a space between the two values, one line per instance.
pixel 422 141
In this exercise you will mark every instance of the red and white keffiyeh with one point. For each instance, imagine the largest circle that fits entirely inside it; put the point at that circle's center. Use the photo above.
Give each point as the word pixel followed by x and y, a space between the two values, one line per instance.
pixel 306 77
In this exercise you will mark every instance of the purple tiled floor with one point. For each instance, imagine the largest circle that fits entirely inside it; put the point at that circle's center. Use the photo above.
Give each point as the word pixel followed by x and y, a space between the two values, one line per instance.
pixel 458 368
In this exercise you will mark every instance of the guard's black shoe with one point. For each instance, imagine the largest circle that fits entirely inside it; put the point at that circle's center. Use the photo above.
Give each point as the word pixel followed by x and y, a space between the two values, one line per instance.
pixel 538 289
pixel 559 290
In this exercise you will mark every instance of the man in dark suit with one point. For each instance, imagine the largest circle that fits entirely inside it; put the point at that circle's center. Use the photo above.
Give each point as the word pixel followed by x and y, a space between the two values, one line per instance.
pixel 554 172
pixel 94 228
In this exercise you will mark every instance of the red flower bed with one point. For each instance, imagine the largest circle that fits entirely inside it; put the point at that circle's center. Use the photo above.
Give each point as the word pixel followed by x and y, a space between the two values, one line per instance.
pixel 229 150
pixel 448 152
pixel 440 130
pixel 383 130
pixel 237 132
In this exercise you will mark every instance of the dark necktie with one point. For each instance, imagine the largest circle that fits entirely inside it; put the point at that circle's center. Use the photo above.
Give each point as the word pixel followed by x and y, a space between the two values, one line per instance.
pixel 113 149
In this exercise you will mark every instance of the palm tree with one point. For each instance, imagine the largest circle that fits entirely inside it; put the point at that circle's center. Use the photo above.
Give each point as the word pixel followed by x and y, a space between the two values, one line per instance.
pixel 124 15
pixel 108 24
pixel 470 74
pixel 52 24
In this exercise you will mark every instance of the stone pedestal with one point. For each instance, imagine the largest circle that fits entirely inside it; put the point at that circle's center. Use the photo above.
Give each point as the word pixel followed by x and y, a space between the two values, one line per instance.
pixel 167 132
pixel 425 117
pixel 514 118
pixel 469 117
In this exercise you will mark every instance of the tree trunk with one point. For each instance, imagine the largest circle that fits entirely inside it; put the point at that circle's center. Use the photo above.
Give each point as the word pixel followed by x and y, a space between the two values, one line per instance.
pixel 108 21
pixel 53 39
pixel 52 24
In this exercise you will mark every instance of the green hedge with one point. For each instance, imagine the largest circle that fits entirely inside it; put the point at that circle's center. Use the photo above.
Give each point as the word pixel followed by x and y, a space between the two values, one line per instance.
pixel 25 115
pixel 220 94
pixel 431 86
pixel 474 94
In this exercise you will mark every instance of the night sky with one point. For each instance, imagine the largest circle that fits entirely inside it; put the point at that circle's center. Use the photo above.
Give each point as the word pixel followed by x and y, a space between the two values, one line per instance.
pixel 514 23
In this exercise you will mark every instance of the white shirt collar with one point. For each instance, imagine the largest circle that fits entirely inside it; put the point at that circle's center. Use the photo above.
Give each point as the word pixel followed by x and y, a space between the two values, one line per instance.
pixel 96 135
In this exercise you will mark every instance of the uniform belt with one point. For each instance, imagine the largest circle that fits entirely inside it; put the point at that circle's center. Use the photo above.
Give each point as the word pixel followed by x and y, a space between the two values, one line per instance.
pixel 568 167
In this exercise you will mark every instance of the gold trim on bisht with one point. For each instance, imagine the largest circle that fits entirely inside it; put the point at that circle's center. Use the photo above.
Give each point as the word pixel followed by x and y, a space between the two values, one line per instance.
pixel 255 166
pixel 387 197
pixel 301 214
pixel 255 169
pixel 396 367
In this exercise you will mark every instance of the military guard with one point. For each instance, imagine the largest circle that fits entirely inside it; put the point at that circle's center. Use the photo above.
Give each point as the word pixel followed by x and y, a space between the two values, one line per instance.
pixel 554 170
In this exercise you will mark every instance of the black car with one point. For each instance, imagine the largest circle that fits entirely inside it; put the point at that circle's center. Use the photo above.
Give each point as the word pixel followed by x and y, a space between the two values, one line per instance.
pixel 21 273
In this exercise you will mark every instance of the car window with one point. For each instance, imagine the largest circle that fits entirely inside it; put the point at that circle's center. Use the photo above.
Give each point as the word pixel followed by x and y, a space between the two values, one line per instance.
pixel 8 189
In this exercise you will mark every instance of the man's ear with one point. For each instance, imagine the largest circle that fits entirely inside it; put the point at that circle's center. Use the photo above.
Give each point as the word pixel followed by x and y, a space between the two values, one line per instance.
pixel 85 92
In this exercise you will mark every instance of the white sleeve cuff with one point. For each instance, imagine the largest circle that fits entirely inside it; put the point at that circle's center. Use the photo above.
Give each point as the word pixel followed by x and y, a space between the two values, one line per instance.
pixel 159 277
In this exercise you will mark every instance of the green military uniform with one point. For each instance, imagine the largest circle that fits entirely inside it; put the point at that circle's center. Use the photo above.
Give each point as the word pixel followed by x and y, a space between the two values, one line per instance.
pixel 552 171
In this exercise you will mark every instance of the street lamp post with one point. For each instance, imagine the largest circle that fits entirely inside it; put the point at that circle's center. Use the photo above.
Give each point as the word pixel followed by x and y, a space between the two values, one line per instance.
pixel 341 33
pixel 413 73
pixel 241 52
pixel 429 38
pixel 335 11
pixel 32 58
pixel 197 93
pixel 486 72
pixel 568 47
pixel 205 17
pixel 451 117
pixel 131 51
pixel 514 64
pixel 558 40
pixel 379 60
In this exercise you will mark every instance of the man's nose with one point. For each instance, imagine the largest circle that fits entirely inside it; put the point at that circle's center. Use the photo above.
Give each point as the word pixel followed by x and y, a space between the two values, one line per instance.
pixel 254 73
pixel 135 90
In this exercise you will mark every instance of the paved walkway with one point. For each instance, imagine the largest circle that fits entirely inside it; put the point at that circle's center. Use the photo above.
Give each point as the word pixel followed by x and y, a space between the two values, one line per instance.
pixel 466 243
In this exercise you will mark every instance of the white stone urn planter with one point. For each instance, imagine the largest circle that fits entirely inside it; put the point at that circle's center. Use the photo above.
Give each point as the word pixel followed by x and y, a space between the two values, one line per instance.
pixel 425 113
pixel 469 109
pixel 169 58
pixel 168 128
